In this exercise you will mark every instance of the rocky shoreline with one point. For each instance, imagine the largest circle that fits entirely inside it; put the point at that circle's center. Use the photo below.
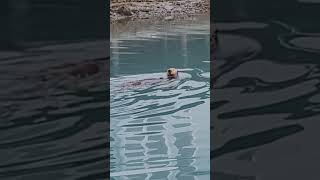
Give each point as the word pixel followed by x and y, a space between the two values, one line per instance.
pixel 161 10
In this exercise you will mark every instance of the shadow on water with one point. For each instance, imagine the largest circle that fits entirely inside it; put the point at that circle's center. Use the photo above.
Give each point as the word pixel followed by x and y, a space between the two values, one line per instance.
pixel 160 128
pixel 265 97
pixel 53 90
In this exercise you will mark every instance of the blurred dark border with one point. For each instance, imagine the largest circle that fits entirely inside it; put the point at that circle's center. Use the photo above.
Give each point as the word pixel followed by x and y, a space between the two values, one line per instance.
pixel 28 24
pixel 270 136
pixel 48 20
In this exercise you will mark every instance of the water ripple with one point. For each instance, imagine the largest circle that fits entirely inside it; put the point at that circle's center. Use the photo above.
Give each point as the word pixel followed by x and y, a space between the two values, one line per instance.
pixel 265 98
pixel 50 123
pixel 159 127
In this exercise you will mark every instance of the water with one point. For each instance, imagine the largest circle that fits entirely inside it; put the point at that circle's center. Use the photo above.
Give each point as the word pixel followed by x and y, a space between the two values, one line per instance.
pixel 265 102
pixel 160 129
pixel 53 126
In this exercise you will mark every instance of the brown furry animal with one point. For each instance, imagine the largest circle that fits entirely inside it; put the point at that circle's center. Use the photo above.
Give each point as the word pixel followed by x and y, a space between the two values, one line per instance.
pixel 172 73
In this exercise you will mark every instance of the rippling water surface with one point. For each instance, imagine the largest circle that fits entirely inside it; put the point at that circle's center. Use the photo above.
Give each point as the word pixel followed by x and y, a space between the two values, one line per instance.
pixel 265 111
pixel 53 124
pixel 160 128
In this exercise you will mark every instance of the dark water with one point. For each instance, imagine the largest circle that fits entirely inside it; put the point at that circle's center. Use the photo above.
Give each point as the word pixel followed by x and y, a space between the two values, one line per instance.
pixel 160 129
pixel 53 125
pixel 265 101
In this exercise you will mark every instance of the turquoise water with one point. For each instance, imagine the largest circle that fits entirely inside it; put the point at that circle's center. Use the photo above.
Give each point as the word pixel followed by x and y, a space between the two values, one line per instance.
pixel 160 129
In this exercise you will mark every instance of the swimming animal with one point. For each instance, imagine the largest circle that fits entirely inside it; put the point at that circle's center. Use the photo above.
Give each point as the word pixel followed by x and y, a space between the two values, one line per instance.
pixel 171 73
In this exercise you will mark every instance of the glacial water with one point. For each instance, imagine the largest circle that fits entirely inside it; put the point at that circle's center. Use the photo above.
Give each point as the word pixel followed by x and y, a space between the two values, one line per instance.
pixel 160 128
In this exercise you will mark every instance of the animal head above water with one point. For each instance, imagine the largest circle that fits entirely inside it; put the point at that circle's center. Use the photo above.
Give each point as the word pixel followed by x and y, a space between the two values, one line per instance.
pixel 172 73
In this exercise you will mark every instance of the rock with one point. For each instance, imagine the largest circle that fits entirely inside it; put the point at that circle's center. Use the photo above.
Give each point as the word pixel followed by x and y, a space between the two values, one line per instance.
pixel 168 18
pixel 164 9
pixel 145 10
pixel 125 11
pixel 168 7
pixel 143 15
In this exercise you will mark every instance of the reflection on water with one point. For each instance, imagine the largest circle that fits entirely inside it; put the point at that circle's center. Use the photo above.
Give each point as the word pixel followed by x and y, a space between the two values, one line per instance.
pixel 160 129
pixel 265 104
pixel 53 123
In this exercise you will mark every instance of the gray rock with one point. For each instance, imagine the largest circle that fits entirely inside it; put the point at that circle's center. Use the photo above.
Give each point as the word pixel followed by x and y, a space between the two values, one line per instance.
pixel 168 18
pixel 125 11
pixel 168 7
